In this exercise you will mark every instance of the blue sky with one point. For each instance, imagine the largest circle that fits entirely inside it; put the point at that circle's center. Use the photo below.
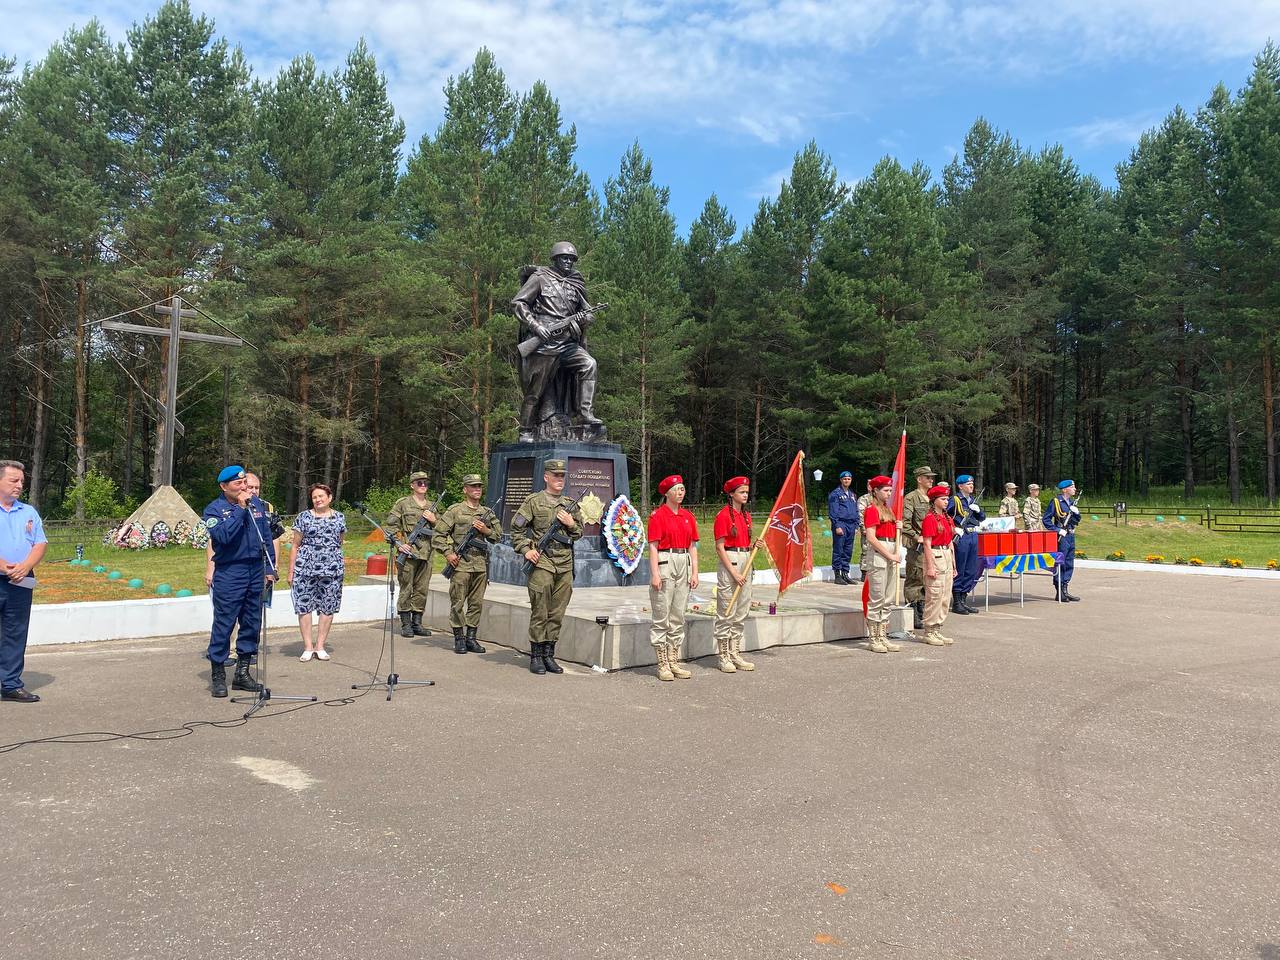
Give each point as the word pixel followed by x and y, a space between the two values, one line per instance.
pixel 722 94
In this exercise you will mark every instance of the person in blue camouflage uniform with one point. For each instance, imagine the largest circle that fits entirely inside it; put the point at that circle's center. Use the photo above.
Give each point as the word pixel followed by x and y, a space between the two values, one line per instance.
pixel 1062 516
pixel 842 510
pixel 966 513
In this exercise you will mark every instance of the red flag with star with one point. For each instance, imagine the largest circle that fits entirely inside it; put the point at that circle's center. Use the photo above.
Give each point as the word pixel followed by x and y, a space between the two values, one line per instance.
pixel 786 534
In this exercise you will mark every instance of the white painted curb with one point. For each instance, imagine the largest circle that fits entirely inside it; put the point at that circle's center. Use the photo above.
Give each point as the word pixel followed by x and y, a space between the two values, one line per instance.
pixel 172 616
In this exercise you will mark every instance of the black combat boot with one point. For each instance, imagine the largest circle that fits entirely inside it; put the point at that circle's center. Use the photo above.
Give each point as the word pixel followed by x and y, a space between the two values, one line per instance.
pixel 549 658
pixel 918 609
pixel 219 679
pixel 969 607
pixel 406 624
pixel 418 629
pixel 958 605
pixel 473 645
pixel 459 643
pixel 242 680
pixel 535 659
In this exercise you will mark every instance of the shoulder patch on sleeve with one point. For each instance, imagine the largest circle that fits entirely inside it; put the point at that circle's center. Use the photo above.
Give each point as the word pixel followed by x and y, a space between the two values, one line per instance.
pixel 519 520
pixel 211 522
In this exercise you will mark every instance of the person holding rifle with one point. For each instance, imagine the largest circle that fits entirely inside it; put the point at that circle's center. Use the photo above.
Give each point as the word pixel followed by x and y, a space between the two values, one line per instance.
pixel 673 562
pixel 966 513
pixel 412 520
pixel 882 568
pixel 732 533
pixel 456 536
pixel 544 531
pixel 1062 517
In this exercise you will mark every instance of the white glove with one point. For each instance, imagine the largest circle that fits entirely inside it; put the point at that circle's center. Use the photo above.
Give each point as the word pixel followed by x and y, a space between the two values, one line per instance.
pixel 1075 509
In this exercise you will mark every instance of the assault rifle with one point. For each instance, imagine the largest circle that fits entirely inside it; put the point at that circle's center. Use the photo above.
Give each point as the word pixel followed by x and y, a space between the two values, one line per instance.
pixel 555 534
pixel 474 538
pixel 393 538
pixel 581 319
pixel 970 522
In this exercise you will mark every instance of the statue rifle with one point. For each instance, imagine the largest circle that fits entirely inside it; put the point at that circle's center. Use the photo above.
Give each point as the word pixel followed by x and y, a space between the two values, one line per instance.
pixel 526 347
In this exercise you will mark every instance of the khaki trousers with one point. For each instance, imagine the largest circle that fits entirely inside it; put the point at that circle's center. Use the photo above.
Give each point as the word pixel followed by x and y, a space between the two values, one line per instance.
pixel 668 603
pixel 882 578
pixel 937 591
pixel 549 595
pixel 415 579
pixel 466 598
pixel 729 626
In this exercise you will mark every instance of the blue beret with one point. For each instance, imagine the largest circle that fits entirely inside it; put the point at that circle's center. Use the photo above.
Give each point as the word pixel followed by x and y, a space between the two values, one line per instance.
pixel 230 473
pixel 964 478
pixel 1063 484
pixel 845 473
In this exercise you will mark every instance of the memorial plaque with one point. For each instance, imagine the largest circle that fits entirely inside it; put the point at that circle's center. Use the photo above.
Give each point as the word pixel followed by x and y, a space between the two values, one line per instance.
pixel 590 480
pixel 518 486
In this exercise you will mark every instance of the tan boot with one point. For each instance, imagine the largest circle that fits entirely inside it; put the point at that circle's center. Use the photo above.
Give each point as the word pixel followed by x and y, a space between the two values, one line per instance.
pixel 673 661
pixel 931 637
pixel 877 642
pixel 937 632
pixel 884 638
pixel 726 661
pixel 664 667
pixel 735 653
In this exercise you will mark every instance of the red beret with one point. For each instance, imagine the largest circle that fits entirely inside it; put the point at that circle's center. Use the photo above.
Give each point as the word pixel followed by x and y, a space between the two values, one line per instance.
pixel 880 481
pixel 938 491
pixel 668 483
pixel 733 483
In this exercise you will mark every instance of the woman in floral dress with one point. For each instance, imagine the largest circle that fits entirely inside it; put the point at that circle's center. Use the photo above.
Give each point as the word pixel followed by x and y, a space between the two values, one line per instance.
pixel 316 568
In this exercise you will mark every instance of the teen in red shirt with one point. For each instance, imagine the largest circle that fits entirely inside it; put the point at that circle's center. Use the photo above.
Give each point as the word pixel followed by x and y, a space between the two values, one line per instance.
pixel 882 570
pixel 937 533
pixel 733 546
pixel 673 565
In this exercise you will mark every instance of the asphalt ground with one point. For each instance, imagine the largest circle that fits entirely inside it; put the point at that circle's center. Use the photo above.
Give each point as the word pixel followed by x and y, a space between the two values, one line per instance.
pixel 1091 780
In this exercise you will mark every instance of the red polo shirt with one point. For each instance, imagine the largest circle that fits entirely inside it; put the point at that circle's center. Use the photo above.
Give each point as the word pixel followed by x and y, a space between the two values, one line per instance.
pixel 938 529
pixel 672 530
pixel 885 530
pixel 733 528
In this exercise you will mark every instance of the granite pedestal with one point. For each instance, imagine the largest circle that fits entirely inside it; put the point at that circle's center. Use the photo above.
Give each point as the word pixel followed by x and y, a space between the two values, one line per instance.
pixel 596 474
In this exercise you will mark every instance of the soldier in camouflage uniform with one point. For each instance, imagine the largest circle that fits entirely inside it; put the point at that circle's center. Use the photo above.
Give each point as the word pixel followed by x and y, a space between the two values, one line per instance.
pixel 551 582
pixel 915 507
pixel 1009 506
pixel 1032 512
pixel 470 572
pixel 415 574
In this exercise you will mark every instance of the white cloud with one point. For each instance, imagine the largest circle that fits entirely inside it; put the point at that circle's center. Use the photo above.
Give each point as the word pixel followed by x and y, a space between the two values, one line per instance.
pixel 763 70
pixel 1109 131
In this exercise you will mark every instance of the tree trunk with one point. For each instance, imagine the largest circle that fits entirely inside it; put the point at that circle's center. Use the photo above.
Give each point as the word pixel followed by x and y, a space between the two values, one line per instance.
pixel 644 428
pixel 82 395
pixel 129 428
pixel 35 473
pixel 304 400
pixel 1269 417
pixel 373 413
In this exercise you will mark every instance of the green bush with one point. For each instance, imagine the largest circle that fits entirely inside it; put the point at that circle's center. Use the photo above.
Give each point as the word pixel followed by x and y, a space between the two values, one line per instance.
pixel 101 498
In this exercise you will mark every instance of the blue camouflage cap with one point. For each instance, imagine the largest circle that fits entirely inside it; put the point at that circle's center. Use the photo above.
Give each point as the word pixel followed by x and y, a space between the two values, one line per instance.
pixel 1063 484
pixel 231 473
pixel 964 478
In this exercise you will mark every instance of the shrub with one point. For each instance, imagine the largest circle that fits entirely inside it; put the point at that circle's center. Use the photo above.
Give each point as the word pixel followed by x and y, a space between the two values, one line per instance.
pixel 1155 558
pixel 1233 562
pixel 1115 555
pixel 1196 562
pixel 101 498
pixel 1180 561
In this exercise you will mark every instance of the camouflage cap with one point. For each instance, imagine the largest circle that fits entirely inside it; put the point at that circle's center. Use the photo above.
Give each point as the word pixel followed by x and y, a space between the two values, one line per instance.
pixel 925 472
pixel 554 466
pixel 472 480
pixel 419 475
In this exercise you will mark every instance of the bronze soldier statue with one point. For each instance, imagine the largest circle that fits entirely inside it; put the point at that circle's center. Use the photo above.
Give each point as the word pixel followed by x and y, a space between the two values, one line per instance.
pixel 557 373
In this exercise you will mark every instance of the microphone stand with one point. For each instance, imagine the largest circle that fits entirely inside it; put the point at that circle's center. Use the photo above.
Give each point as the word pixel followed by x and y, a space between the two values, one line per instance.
pixel 261 698
pixel 393 679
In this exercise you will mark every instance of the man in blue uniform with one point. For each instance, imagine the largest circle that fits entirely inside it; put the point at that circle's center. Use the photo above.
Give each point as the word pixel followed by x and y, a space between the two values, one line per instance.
pixel 238 579
pixel 1062 516
pixel 842 508
pixel 22 546
pixel 966 513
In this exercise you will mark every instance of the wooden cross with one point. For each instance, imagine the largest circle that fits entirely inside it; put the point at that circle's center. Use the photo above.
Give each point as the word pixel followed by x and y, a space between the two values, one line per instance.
pixel 175 333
